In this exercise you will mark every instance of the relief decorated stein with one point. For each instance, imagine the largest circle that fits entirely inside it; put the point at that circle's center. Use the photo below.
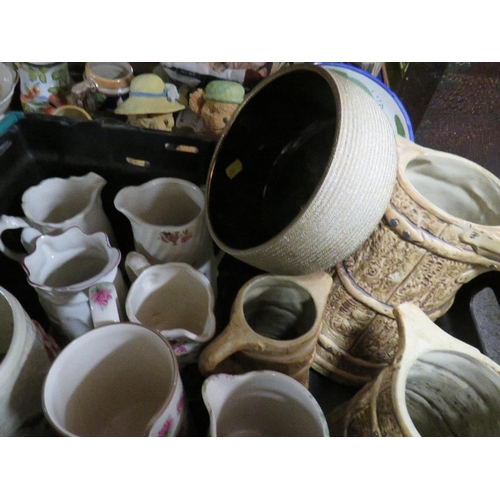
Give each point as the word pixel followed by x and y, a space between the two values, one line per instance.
pixel 440 230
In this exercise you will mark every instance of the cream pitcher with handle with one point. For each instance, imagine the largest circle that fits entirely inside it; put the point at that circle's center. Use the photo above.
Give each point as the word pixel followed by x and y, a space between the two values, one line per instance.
pixel 437 386
pixel 63 268
pixel 174 299
pixel 56 204
pixel 167 216
pixel 261 403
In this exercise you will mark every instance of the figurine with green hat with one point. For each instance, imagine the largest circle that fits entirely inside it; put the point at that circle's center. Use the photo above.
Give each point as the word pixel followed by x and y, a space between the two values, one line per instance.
pixel 151 103
pixel 217 103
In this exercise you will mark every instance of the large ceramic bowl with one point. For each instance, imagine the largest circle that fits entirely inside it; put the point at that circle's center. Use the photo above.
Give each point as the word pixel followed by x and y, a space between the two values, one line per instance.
pixel 302 174
pixel 8 81
pixel 388 101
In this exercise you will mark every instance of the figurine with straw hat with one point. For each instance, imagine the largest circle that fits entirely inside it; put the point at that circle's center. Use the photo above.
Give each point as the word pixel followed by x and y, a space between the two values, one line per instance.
pixel 151 103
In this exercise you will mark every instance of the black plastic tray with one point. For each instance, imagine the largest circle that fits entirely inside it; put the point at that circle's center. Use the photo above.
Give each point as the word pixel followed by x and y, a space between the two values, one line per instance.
pixel 39 147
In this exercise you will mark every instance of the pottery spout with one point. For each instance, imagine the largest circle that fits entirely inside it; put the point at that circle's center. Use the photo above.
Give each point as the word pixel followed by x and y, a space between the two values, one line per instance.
pixel 261 403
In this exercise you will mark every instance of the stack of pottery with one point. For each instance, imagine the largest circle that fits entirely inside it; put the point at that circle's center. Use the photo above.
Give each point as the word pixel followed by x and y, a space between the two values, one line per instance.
pixel 310 177
pixel 112 337
pixel 359 238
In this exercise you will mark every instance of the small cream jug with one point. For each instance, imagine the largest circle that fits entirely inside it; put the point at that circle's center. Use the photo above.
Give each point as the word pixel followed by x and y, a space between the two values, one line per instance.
pixel 26 354
pixel 135 263
pixel 63 268
pixel 437 386
pixel 167 216
pixel 261 404
pixel 274 325
pixel 56 204
pixel 173 299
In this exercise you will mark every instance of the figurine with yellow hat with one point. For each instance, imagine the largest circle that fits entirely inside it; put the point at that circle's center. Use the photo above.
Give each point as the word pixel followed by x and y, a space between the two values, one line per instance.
pixel 151 103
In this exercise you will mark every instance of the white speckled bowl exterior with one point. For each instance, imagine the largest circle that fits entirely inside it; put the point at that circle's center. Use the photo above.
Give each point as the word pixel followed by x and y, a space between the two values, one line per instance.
pixel 350 198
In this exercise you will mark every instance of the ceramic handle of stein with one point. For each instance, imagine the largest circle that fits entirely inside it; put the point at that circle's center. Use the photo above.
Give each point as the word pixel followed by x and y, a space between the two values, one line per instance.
pixel 233 339
pixel 419 334
pixel 10 222
pixel 103 301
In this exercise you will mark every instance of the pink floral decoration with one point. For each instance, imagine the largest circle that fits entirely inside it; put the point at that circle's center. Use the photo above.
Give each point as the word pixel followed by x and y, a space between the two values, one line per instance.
pixel 167 426
pixel 102 297
pixel 180 350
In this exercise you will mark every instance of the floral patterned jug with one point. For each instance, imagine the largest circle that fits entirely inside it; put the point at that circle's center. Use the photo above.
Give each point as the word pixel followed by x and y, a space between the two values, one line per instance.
pixel 43 86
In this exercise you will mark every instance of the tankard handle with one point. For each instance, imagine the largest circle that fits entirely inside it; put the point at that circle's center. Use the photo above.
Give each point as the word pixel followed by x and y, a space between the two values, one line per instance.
pixel 229 342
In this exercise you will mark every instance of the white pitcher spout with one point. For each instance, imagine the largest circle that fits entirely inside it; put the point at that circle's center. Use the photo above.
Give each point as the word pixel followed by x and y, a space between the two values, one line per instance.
pixel 215 392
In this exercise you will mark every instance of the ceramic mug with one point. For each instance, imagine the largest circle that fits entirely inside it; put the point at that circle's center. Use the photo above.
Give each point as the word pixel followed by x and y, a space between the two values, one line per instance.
pixel 44 86
pixel 104 85
pixel 26 354
pixel 261 404
pixel 167 216
pixel 274 325
pixel 437 386
pixel 56 204
pixel 174 299
pixel 63 268
pixel 117 380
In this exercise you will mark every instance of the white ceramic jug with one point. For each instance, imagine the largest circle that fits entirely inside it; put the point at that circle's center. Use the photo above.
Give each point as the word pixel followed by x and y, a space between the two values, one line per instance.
pixel 174 299
pixel 63 268
pixel 56 204
pixel 26 354
pixel 117 380
pixel 261 403
pixel 167 216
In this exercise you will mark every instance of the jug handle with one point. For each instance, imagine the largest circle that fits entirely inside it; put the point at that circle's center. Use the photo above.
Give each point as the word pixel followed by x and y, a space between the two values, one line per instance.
pixel 135 263
pixel 419 334
pixel 233 338
pixel 103 301
pixel 10 222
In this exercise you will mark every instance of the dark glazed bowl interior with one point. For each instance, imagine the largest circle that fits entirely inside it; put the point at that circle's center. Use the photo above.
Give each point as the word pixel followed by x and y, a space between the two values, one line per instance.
pixel 272 158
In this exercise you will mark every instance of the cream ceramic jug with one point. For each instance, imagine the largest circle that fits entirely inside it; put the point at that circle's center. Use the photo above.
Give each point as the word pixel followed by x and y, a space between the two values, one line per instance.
pixel 56 204
pixel 167 216
pixel 26 354
pixel 173 299
pixel 117 380
pixel 63 268
pixel 436 386
pixel 261 404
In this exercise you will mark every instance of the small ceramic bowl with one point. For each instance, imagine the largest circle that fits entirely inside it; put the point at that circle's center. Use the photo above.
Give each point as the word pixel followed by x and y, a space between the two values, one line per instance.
pixel 381 93
pixel 8 82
